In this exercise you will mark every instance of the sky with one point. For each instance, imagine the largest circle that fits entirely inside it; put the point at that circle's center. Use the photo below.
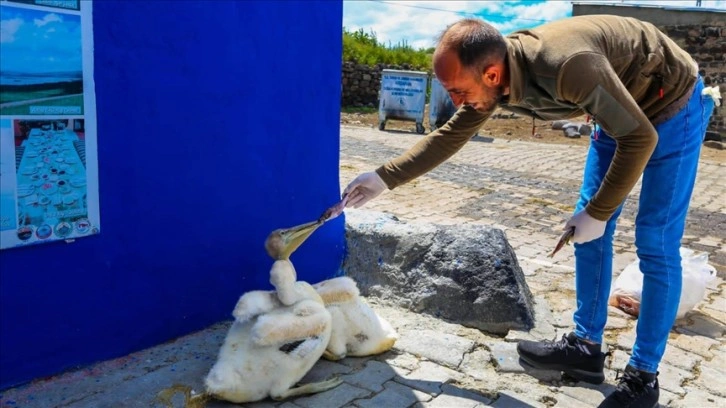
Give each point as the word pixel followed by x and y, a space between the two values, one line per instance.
pixel 33 41
pixel 419 22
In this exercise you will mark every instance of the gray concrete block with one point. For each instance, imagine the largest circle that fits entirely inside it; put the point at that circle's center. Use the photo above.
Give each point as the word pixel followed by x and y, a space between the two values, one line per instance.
pixel 713 381
pixel 428 378
pixel 394 395
pixel 443 348
pixel 477 364
pixel 696 397
pixel 372 376
pixel 507 360
pixel 455 391
pixel 565 401
pixel 508 399
pixel 334 398
pixel 693 343
pixel 325 370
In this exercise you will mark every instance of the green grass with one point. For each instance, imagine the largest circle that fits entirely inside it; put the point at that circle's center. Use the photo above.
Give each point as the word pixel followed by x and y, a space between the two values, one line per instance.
pixel 12 96
pixel 364 48
pixel 75 100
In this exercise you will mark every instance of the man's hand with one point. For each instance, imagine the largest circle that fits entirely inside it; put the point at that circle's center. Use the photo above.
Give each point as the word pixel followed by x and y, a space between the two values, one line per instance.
pixel 364 188
pixel 586 227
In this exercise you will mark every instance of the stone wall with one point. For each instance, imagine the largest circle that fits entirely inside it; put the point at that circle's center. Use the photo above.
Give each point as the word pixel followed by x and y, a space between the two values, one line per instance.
pixel 700 31
pixel 361 83
pixel 707 45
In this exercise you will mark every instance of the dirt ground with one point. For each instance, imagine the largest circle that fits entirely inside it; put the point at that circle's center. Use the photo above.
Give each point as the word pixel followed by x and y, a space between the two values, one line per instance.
pixel 518 128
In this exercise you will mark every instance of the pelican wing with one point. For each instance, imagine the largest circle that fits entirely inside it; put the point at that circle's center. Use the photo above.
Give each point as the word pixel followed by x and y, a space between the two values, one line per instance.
pixel 284 326
pixel 337 290
pixel 255 303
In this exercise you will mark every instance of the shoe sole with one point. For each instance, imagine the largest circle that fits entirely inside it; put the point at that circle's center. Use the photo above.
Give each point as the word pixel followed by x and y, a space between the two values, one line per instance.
pixel 582 375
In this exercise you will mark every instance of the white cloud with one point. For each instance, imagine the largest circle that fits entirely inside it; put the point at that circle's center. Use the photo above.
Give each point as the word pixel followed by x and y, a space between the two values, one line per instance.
pixel 49 18
pixel 8 28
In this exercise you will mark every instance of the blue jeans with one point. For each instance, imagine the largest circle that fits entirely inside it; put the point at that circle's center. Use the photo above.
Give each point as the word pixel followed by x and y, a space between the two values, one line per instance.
pixel 666 189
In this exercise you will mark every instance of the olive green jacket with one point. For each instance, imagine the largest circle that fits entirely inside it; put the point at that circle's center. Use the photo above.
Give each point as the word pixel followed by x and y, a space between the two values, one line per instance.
pixel 624 73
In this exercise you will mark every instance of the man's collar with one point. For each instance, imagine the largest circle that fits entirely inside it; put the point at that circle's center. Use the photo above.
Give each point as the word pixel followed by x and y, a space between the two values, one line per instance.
pixel 514 56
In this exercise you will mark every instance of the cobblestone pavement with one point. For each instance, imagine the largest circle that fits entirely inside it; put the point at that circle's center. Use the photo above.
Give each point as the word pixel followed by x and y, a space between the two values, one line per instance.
pixel 527 190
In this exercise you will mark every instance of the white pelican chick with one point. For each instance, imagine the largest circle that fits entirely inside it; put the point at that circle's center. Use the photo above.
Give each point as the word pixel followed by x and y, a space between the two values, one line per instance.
pixel 276 337
pixel 357 330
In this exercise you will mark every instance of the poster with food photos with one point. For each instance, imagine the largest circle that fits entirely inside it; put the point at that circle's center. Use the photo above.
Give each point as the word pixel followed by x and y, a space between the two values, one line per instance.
pixel 48 149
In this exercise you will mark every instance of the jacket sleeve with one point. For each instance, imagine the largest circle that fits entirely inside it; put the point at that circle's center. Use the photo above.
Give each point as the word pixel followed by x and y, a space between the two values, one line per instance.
pixel 588 80
pixel 434 148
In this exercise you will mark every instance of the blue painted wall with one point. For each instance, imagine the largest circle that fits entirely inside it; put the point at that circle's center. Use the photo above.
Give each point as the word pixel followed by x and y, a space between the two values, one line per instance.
pixel 217 123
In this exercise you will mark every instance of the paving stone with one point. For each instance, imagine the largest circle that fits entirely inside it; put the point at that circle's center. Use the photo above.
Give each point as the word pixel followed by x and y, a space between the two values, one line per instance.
pixel 696 397
pixel 617 322
pixel 477 364
pixel 588 393
pixel 443 348
pixel 517 335
pixel 405 361
pixel 717 363
pixel 450 401
pixel 695 344
pixel 715 313
pixel 394 395
pixel 565 401
pixel 429 377
pixel 544 319
pixel 324 370
pixel 626 340
pixel 336 397
pixel 665 397
pixel 713 381
pixel 285 405
pixel 704 326
pixel 372 376
pixel 455 391
pixel 679 358
pixel 618 361
pixel 356 363
pixel 718 303
pixel 506 358
pixel 508 399
pixel 671 378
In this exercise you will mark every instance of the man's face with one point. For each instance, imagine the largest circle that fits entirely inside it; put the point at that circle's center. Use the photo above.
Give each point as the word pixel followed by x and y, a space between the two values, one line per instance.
pixel 465 86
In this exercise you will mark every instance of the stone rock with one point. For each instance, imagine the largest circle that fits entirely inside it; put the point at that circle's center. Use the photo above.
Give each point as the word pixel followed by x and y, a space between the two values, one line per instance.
pixel 467 274
pixel 559 124
pixel 571 132
pixel 713 136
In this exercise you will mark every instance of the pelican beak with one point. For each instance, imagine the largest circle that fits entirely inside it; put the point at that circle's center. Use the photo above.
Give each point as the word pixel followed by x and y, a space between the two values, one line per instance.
pixel 283 242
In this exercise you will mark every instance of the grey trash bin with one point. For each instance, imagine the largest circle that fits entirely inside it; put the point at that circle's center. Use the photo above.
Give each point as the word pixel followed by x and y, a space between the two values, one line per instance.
pixel 402 97
pixel 441 107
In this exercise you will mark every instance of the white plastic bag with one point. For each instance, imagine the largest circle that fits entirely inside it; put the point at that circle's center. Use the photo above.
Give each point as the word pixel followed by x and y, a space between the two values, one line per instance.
pixel 626 291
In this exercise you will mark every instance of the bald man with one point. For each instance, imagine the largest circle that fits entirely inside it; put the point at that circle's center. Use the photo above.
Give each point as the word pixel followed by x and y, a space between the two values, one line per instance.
pixel 644 94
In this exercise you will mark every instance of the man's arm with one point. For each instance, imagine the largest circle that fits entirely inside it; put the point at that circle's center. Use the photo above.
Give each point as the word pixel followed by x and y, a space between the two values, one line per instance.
pixel 588 80
pixel 433 149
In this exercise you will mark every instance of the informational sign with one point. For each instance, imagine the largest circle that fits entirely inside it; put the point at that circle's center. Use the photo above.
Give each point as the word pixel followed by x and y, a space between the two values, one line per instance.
pixel 48 144
pixel 403 95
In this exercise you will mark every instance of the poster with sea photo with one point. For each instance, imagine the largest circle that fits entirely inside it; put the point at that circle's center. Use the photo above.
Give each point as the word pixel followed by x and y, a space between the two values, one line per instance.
pixel 63 4
pixel 48 141
pixel 41 64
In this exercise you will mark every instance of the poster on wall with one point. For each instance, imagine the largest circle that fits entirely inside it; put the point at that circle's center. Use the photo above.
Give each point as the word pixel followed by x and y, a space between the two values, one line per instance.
pixel 48 154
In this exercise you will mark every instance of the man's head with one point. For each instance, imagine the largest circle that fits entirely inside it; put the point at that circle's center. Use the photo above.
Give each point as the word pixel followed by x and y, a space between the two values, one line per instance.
pixel 470 62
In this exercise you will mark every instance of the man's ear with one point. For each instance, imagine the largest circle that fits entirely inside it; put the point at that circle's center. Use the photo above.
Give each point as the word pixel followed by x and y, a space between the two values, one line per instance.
pixel 492 75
